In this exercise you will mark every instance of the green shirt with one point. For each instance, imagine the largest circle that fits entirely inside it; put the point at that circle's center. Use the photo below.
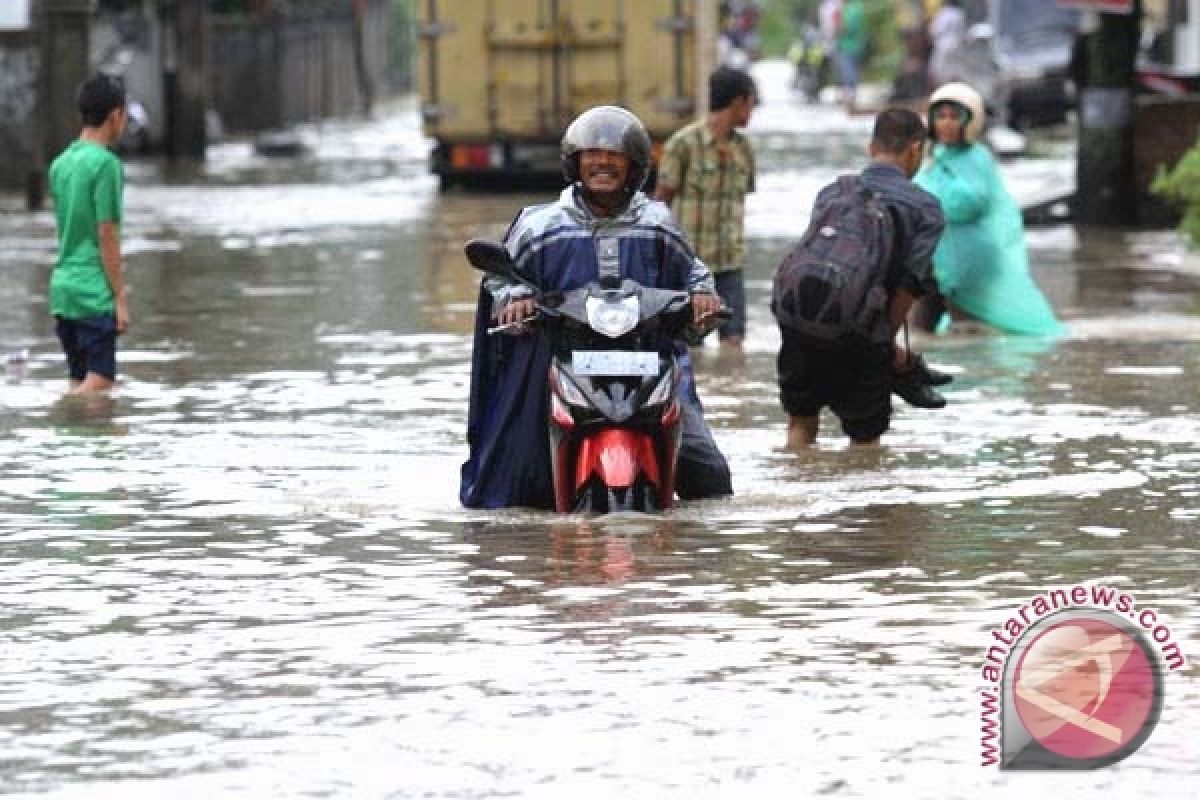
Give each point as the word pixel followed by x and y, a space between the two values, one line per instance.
pixel 86 184
pixel 710 192
pixel 851 39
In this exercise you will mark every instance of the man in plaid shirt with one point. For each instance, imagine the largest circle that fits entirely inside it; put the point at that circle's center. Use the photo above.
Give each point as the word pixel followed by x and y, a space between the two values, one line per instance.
pixel 707 168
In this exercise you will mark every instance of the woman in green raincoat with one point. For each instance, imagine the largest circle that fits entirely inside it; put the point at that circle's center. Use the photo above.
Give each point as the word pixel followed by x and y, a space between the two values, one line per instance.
pixel 981 265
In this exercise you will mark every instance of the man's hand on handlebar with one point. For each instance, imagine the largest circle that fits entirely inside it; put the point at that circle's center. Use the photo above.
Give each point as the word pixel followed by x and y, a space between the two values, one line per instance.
pixel 704 306
pixel 515 313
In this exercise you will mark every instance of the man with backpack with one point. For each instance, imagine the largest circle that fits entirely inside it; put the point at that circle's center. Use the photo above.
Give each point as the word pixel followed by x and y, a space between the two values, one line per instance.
pixel 842 294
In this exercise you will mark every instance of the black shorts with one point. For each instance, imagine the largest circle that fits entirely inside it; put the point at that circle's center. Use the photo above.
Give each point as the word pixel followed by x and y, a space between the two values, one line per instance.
pixel 90 345
pixel 854 381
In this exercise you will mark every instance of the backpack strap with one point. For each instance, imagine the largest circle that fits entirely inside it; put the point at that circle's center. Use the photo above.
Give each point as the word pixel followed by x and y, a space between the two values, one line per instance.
pixel 854 183
pixel 851 183
pixel 895 245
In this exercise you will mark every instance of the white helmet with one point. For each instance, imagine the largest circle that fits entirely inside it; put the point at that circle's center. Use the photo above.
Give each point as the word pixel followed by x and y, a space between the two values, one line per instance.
pixel 966 98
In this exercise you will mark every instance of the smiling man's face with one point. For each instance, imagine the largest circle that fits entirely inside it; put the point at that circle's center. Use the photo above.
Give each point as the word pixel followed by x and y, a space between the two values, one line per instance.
pixel 603 171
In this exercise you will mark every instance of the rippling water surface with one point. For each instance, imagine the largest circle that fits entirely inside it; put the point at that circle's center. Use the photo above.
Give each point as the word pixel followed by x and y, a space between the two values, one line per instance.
pixel 247 574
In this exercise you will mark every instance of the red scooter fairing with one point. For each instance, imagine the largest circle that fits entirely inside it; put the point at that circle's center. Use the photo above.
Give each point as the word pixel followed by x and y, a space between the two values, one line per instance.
pixel 616 456
pixel 604 461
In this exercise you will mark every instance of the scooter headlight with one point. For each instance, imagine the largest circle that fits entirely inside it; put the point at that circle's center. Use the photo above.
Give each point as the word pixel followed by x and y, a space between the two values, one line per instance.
pixel 613 318
pixel 662 391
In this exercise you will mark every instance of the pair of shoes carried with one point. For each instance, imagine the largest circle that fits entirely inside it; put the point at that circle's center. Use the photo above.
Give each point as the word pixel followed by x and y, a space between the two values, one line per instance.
pixel 926 374
pixel 910 386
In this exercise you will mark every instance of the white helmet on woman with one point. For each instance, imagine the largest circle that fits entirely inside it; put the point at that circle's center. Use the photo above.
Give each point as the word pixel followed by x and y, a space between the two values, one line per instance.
pixel 965 98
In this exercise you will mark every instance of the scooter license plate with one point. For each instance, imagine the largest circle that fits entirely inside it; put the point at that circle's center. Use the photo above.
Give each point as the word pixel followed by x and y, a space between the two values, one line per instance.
pixel 618 363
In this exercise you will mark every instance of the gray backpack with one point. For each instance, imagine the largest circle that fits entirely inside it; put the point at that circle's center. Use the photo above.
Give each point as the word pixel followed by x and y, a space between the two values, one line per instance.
pixel 830 286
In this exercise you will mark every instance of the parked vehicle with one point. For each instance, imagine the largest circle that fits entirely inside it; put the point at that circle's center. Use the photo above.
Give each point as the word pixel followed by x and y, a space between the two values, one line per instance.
pixel 500 81
pixel 615 423
pixel 1017 57
pixel 1169 62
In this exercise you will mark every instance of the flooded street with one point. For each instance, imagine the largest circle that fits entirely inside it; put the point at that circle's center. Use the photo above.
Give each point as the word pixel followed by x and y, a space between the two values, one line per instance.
pixel 248 575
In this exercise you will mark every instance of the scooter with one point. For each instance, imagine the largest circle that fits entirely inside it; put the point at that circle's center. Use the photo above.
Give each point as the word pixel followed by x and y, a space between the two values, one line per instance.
pixel 812 69
pixel 614 410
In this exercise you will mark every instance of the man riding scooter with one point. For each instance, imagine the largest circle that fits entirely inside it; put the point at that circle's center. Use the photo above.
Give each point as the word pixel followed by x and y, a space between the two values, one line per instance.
pixel 602 225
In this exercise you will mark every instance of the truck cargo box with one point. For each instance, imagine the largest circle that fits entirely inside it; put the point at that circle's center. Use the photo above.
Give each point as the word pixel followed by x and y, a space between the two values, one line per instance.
pixel 501 79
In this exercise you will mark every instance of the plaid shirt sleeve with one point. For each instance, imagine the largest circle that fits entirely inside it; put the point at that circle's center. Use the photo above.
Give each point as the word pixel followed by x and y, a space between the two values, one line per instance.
pixel 673 165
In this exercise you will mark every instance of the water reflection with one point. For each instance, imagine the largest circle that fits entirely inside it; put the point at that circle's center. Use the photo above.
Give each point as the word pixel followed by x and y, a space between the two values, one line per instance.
pixel 89 414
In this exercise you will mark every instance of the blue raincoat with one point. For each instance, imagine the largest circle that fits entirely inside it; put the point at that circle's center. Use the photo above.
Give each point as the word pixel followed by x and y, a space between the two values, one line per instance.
pixel 554 245
pixel 981 264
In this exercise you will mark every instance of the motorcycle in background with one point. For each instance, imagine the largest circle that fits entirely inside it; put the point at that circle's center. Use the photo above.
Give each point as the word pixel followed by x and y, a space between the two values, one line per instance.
pixel 812 68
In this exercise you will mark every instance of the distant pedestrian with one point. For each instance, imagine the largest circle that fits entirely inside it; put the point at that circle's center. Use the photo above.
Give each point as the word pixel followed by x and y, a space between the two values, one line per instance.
pixel 842 294
pixel 981 265
pixel 707 168
pixel 87 288
pixel 912 80
pixel 947 33
pixel 851 47
pixel 829 20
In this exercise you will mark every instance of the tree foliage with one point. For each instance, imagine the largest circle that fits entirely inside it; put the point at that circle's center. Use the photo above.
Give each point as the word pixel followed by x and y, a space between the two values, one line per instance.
pixel 783 22
pixel 1181 186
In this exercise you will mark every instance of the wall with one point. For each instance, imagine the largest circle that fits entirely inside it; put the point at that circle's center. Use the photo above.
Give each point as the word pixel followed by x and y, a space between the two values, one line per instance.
pixel 19 73
pixel 245 74
pixel 278 70
pixel 1164 129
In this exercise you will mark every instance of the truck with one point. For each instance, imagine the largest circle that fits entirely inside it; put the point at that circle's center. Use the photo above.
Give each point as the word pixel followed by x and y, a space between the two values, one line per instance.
pixel 500 80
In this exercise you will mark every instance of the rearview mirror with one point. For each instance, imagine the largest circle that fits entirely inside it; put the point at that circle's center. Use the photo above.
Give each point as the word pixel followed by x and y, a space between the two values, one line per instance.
pixel 489 256
pixel 493 258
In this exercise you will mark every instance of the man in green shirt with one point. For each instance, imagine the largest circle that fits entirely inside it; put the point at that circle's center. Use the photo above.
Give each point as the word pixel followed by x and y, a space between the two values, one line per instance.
pixel 707 168
pixel 87 289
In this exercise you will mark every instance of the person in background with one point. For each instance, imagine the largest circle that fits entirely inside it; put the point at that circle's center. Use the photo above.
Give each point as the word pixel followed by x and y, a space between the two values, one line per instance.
pixel 829 20
pixel 87 286
pixel 947 32
pixel 981 264
pixel 851 46
pixel 706 170
pixel 912 80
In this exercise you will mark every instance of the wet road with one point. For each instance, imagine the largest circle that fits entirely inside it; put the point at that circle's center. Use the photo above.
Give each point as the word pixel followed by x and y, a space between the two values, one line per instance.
pixel 248 575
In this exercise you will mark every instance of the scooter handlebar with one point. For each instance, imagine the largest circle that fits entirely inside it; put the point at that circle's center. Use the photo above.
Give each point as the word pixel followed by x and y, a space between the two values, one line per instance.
pixel 541 314
pixel 694 334
pixel 691 332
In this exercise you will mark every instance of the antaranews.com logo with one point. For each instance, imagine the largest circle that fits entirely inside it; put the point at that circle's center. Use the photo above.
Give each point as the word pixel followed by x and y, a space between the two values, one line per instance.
pixel 1074 680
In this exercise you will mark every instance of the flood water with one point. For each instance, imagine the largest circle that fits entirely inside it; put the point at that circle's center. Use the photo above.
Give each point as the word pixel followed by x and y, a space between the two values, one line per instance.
pixel 248 575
